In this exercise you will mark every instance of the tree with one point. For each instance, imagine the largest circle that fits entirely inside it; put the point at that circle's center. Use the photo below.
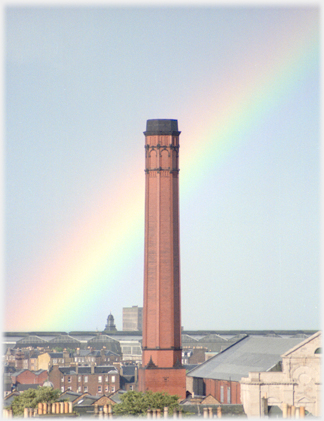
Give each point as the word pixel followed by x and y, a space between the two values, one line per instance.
pixel 136 403
pixel 31 397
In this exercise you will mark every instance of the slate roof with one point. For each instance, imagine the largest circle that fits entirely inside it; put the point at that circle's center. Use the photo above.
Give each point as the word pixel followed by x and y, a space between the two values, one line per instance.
pixel 7 401
pixel 69 395
pixel 55 354
pixel 98 369
pixel 129 370
pixel 87 400
pixel 251 353
pixel 116 395
pixel 22 387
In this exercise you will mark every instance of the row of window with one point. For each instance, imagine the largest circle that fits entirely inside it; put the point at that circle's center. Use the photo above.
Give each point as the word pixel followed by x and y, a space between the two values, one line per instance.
pixel 85 389
pixel 85 379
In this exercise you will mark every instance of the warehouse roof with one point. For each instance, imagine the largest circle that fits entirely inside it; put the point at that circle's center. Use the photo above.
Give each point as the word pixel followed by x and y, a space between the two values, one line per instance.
pixel 251 353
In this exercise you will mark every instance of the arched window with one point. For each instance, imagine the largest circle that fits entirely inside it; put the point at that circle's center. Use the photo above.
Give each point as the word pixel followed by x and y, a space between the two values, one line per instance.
pixel 318 351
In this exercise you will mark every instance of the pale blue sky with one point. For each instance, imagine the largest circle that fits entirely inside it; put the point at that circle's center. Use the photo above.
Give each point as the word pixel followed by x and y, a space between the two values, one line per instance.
pixel 80 84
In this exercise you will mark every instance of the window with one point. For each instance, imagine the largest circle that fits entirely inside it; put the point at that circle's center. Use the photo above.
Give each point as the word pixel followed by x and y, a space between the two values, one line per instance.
pixel 79 389
pixel 85 379
pixel 113 379
pixel 106 378
pixel 54 361
pixel 99 379
pixel 69 379
pixel 131 387
pixel 99 389
pixel 85 389
pixel 112 388
pixel 62 389
pixel 222 394
pixel 79 378
pixel 62 379
pixel 228 395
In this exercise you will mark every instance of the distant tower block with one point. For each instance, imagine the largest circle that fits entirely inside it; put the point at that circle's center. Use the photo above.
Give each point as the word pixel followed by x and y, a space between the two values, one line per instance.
pixel 132 318
pixel 161 361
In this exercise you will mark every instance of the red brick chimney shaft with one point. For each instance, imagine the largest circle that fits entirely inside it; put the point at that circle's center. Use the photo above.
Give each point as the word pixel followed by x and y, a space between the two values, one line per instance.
pixel 161 314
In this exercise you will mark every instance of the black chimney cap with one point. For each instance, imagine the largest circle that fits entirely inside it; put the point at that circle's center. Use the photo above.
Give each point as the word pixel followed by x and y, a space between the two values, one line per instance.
pixel 161 127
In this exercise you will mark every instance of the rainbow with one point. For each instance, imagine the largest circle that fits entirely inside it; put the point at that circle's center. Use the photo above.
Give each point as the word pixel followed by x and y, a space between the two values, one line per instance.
pixel 96 257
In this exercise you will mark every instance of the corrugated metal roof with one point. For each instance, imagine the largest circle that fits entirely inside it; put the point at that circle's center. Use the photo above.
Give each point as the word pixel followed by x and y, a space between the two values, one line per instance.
pixel 249 354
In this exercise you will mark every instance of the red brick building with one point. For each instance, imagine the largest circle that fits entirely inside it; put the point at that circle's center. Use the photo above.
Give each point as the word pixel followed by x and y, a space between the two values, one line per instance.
pixel 161 358
pixel 224 391
pixel 29 377
pixel 97 380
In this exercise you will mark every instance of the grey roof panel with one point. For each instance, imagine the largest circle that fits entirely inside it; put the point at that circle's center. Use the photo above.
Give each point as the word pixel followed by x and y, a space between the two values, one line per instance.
pixel 249 354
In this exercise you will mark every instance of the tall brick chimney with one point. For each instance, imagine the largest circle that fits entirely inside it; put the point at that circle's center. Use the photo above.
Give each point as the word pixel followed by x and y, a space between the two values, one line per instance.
pixel 161 360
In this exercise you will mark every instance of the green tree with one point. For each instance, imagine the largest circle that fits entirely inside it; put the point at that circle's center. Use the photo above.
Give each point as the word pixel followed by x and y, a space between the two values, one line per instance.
pixel 31 397
pixel 136 403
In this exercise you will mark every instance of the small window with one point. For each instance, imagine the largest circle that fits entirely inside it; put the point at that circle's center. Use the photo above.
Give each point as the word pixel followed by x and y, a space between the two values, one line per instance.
pixel 318 351
pixel 106 378
pixel 106 389
pixel 99 379
pixel 85 379
pixel 228 395
pixel 99 389
pixel 79 389
pixel 85 389
pixel 113 379
pixel 112 388
pixel 62 379
pixel 79 378
pixel 62 389
pixel 69 379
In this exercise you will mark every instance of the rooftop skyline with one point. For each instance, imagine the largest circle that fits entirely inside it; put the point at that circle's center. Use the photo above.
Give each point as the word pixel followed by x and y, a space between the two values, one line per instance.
pixel 243 83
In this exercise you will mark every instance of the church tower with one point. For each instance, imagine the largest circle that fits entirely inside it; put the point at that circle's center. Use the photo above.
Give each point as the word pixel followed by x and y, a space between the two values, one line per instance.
pixel 161 359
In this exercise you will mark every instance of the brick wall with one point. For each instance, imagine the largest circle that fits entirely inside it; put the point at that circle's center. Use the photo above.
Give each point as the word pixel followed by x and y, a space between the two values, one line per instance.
pixel 224 391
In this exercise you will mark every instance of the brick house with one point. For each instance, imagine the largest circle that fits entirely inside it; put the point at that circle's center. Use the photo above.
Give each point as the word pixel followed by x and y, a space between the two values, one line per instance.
pixel 97 380
pixel 29 377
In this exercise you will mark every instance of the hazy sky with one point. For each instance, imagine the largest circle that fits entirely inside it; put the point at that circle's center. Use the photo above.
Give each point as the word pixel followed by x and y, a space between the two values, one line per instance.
pixel 80 83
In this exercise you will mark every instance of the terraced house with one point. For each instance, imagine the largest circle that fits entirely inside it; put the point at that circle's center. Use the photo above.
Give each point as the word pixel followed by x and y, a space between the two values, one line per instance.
pixel 97 380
